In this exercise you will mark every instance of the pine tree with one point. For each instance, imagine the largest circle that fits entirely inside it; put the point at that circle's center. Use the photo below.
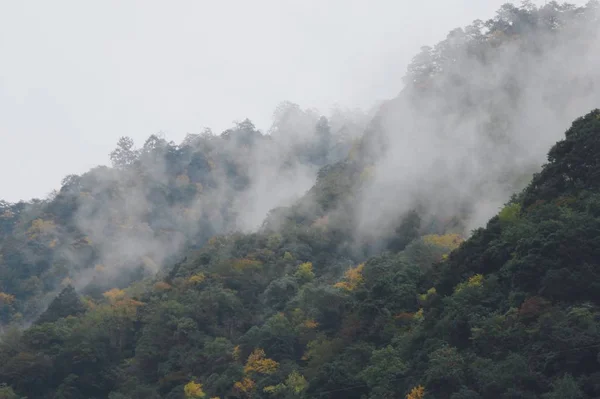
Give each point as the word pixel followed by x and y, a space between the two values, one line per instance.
pixel 67 303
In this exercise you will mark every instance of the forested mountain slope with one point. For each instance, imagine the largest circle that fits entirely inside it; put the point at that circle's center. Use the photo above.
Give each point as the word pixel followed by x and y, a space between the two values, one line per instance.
pixel 513 312
pixel 348 289
pixel 475 120
pixel 112 226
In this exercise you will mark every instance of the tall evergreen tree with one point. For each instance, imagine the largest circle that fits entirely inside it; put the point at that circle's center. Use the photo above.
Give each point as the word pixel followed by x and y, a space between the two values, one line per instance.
pixel 67 303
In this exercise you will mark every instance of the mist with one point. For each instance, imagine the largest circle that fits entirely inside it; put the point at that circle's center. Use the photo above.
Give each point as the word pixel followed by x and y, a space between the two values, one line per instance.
pixel 474 120
pixel 471 130
pixel 70 86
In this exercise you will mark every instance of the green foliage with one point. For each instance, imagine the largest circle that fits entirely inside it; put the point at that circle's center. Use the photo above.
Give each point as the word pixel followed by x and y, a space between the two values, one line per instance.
pixel 305 272
pixel 297 309
pixel 7 393
pixel 510 213
pixel 407 231
pixel 565 388
pixel 67 303
pixel 385 368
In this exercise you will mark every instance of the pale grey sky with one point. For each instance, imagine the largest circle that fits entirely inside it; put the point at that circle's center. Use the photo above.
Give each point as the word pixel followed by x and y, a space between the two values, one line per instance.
pixel 75 76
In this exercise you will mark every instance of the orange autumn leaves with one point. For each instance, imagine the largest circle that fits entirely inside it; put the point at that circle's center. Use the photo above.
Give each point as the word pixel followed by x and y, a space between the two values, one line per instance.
pixel 417 392
pixel 353 278
pixel 257 363
pixel 118 299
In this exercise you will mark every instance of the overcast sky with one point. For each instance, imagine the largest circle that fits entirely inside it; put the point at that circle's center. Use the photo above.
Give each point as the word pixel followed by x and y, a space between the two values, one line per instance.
pixel 75 75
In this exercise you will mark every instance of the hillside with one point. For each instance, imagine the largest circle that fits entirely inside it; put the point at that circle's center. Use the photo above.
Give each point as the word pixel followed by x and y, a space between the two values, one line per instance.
pixel 112 226
pixel 512 312
pixel 339 256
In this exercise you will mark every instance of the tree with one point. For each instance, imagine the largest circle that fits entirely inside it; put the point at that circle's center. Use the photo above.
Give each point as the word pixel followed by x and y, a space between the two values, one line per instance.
pixel 565 388
pixel 322 143
pixel 258 362
pixel 6 392
pixel 305 273
pixel 407 231
pixel 67 303
pixel 124 154
pixel 193 390
pixel 353 278
pixel 417 392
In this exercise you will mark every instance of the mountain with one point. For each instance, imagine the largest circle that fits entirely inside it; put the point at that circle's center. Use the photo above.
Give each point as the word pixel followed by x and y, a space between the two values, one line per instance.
pixel 112 226
pixel 510 312
pixel 338 256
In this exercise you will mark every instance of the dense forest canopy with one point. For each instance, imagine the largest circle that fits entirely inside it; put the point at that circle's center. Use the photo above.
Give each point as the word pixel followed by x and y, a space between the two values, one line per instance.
pixel 346 255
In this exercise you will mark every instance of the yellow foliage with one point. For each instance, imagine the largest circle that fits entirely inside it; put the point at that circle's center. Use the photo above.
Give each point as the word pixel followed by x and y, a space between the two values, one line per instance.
pixel 510 213
pixel 296 382
pixel 419 315
pixel 259 363
pixel 353 278
pixel 449 241
pixel 273 388
pixel 236 352
pixel 114 295
pixel 193 390
pixel 473 281
pixel 6 299
pixel 162 286
pixel 417 392
pixel 40 227
pixel 246 385
pixel 99 268
pixel 197 278
pixel 305 271
pixel 53 243
pixel 429 293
